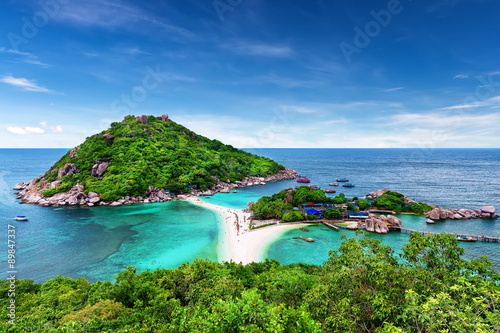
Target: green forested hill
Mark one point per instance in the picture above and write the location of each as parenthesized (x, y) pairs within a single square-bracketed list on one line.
[(152, 151)]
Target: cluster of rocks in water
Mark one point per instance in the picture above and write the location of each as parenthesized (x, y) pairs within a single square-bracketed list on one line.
[(438, 213), (31, 192)]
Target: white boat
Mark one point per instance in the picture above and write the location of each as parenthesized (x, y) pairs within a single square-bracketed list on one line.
[(334, 184), (21, 218)]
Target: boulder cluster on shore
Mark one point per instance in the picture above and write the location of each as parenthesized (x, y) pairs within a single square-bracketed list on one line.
[(31, 192), (438, 213), (380, 223)]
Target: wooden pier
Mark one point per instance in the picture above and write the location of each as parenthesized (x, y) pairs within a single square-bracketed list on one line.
[(488, 239), (330, 225)]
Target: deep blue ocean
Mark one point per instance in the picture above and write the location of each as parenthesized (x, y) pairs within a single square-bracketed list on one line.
[(99, 242)]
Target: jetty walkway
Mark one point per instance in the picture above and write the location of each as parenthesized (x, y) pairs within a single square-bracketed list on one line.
[(479, 238)]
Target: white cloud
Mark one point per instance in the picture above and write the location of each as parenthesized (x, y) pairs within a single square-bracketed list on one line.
[(444, 120), (36, 62), (25, 130), (393, 89), (24, 84), (26, 57), (260, 49), (491, 102), (115, 15), (461, 76), (57, 129), (34, 130), (16, 130), (298, 109)]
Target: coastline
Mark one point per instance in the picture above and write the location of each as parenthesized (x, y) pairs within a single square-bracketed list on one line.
[(245, 246)]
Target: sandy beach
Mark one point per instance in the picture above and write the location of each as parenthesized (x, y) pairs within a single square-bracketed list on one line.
[(241, 244)]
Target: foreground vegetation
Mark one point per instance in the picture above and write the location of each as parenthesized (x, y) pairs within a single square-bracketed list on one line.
[(362, 287), (161, 154)]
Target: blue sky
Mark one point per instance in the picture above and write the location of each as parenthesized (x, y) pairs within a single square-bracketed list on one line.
[(351, 74)]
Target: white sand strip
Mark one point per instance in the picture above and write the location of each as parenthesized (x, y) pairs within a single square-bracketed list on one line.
[(244, 246)]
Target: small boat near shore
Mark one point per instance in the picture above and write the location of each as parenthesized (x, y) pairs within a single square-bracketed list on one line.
[(310, 240), (303, 180), (342, 180), (334, 184), (329, 190), (348, 185), (21, 218), (466, 239)]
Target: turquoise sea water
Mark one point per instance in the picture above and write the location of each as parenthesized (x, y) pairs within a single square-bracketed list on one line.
[(99, 242)]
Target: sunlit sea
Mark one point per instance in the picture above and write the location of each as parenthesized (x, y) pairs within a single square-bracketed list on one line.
[(99, 242)]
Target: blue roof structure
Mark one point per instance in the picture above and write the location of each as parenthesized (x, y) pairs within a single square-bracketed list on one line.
[(313, 211), (355, 215)]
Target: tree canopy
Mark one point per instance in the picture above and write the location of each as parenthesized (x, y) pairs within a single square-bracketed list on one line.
[(362, 287)]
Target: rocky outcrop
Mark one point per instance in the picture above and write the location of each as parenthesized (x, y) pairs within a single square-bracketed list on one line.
[(99, 168), (149, 132), (67, 169), (19, 186), (55, 184), (288, 198), (373, 195), (109, 138), (393, 221), (249, 207), (381, 224), (488, 209), (439, 213), (143, 119), (164, 118), (73, 152)]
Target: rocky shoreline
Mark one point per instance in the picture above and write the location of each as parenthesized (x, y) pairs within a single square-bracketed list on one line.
[(31, 192), (439, 213)]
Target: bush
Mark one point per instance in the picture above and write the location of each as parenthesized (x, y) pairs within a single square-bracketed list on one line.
[(60, 189), (363, 204), (332, 213)]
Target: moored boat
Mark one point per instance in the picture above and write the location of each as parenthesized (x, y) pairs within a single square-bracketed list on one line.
[(466, 239), (330, 190), (334, 184), (303, 180), (348, 185), (342, 180), (314, 187), (21, 218)]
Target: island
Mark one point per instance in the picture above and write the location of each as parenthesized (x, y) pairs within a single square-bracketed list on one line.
[(147, 159), (312, 205)]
